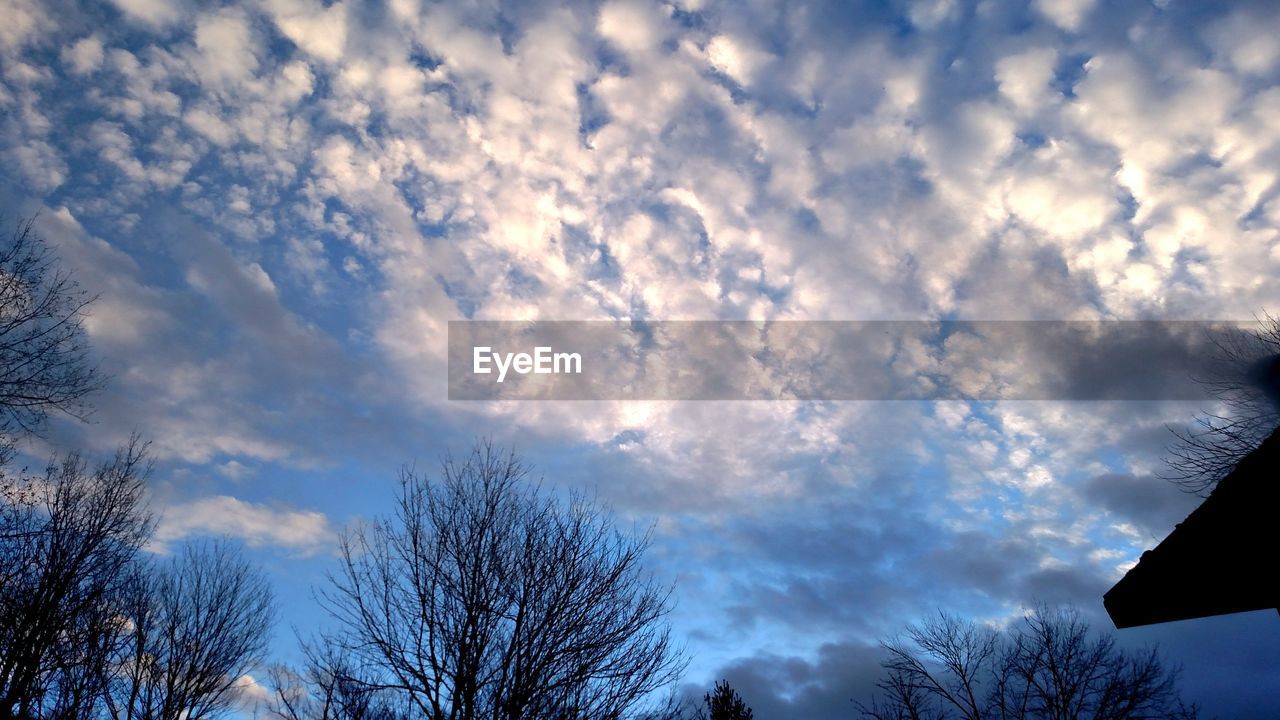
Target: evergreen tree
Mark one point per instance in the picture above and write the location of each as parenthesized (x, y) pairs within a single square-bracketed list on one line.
[(724, 703)]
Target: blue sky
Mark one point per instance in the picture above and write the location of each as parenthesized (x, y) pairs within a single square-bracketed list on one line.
[(282, 203)]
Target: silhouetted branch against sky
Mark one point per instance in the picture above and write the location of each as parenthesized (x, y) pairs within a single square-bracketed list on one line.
[(68, 541), (486, 596), (1050, 664), (1247, 384), (44, 354), (198, 623)]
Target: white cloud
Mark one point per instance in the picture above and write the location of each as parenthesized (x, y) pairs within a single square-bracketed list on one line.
[(1024, 77), (227, 51), (736, 58), (157, 13), (928, 14), (258, 525), (41, 165), (297, 81), (209, 125), (1066, 14), (319, 30), (1247, 40), (251, 695), (25, 20), (116, 147), (868, 144), (234, 470), (85, 56), (632, 26), (1062, 192)]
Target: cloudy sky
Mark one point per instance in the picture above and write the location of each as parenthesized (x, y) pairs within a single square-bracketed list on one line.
[(282, 203)]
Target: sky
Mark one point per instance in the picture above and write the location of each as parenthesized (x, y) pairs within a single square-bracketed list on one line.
[(280, 204)]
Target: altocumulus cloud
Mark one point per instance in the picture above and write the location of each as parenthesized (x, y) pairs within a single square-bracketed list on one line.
[(300, 531), (282, 203)]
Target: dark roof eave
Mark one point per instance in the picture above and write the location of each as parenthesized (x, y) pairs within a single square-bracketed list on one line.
[(1222, 559)]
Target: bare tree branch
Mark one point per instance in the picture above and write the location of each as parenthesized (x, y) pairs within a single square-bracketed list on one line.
[(44, 362), (1048, 667), (197, 624), (1247, 383), (485, 597), (67, 544)]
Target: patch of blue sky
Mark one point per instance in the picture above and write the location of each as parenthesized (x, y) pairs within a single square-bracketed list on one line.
[(1189, 265), (464, 298), (584, 250), (591, 113), (1068, 73)]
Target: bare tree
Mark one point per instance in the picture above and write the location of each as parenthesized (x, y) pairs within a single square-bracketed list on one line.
[(81, 615), (1247, 384), (903, 699), (330, 689), (197, 624), (44, 364), (484, 597), (67, 542), (1054, 668), (1049, 666), (963, 651)]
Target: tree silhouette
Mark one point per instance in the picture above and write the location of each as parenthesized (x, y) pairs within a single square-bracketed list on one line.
[(44, 363), (67, 543), (1247, 384), (1048, 666), (724, 703), (331, 689), (196, 625), (88, 627), (485, 597)]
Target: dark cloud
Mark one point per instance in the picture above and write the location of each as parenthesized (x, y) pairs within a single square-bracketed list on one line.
[(860, 560), (779, 687), (1224, 661), (1154, 505), (1068, 586)]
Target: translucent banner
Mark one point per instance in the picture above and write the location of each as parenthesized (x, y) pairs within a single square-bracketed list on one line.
[(861, 360)]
